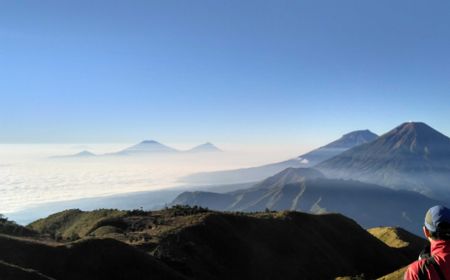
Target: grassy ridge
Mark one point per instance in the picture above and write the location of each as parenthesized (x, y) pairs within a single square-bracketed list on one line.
[(194, 243)]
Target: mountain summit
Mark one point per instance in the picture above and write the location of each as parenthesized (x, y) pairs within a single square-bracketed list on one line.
[(205, 148), (347, 141), (411, 156), (418, 138), (82, 154), (148, 146), (353, 139)]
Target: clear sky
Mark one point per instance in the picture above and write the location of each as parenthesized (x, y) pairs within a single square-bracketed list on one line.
[(225, 71)]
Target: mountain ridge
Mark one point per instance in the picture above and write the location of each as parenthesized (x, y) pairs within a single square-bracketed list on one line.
[(194, 243), (307, 190), (254, 174), (412, 156)]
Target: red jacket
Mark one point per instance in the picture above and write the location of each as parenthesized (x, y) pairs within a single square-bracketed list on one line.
[(440, 249)]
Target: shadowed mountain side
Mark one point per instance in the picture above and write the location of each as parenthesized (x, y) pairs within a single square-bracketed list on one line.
[(14, 272), (201, 244), (370, 205), (254, 174), (88, 259), (412, 156), (396, 275), (278, 246), (13, 229)]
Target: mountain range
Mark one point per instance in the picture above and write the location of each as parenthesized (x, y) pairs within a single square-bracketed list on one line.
[(308, 190), (406, 170), (254, 174), (412, 156), (149, 147)]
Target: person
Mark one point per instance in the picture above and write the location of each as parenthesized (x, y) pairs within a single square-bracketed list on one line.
[(434, 264)]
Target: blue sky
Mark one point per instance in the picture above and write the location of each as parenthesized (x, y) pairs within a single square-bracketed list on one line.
[(265, 72)]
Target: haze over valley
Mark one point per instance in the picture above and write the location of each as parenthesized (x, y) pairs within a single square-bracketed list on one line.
[(36, 174)]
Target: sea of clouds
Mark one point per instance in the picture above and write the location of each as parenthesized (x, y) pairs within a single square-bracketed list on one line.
[(29, 175)]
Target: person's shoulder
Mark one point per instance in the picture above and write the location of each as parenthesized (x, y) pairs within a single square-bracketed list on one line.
[(412, 272)]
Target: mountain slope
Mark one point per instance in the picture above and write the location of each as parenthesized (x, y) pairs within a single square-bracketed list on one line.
[(201, 244), (278, 246), (14, 272), (409, 244), (87, 259), (254, 174), (412, 156), (307, 190)]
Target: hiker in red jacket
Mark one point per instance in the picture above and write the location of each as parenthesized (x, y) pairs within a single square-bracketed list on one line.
[(435, 264)]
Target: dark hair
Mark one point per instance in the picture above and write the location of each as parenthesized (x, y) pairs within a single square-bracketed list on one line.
[(442, 232)]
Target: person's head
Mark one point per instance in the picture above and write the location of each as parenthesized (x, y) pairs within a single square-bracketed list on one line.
[(437, 223)]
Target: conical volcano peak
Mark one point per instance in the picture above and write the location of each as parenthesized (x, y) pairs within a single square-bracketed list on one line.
[(149, 142), (414, 127), (353, 139), (206, 147), (148, 146), (85, 153), (412, 156), (415, 136)]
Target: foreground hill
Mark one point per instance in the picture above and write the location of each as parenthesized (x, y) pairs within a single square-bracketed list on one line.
[(193, 243), (307, 190), (13, 229), (258, 173), (14, 272), (412, 156), (85, 259), (409, 244)]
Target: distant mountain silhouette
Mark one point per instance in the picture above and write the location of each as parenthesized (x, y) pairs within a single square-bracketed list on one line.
[(147, 147), (412, 156), (254, 174), (82, 154), (204, 148), (305, 189)]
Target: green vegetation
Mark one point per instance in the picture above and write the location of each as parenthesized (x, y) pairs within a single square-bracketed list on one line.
[(407, 243), (185, 210), (11, 228), (73, 224), (183, 242)]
